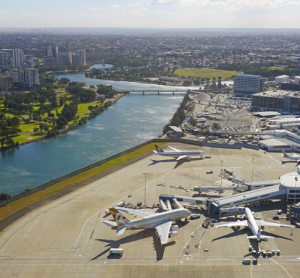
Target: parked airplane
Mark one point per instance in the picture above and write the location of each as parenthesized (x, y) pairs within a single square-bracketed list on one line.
[(162, 222), (177, 153), (292, 157), (253, 225)]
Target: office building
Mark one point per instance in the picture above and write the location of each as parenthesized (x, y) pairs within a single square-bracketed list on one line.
[(293, 85), (52, 51), (246, 85), (277, 100), (5, 82), (65, 59), (82, 54), (17, 58), (48, 61), (17, 76), (5, 60), (31, 78)]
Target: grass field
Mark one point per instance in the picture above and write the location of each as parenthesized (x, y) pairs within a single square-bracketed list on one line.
[(17, 205), (204, 73)]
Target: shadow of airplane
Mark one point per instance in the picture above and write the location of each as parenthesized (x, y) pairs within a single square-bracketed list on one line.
[(249, 233), (178, 162), (289, 161), (135, 237)]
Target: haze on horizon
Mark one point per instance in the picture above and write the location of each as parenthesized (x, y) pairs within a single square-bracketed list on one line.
[(150, 14)]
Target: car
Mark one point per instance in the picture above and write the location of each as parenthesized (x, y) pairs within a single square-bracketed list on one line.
[(195, 216), (209, 172), (207, 156)]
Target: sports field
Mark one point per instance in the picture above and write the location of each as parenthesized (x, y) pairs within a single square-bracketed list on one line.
[(204, 73)]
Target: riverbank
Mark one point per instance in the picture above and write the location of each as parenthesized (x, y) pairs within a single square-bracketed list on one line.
[(65, 129)]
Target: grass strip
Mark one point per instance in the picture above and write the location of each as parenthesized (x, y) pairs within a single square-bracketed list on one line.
[(22, 203)]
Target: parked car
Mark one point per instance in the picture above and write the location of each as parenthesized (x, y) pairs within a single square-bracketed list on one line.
[(209, 172)]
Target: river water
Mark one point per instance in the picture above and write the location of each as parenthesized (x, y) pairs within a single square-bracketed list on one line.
[(132, 120)]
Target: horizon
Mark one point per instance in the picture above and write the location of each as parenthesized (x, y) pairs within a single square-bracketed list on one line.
[(150, 14)]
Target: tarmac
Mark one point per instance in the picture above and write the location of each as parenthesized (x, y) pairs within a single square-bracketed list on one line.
[(65, 238)]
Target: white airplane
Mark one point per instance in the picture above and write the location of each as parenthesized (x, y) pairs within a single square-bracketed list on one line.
[(177, 153), (161, 222), (253, 225), (292, 157)]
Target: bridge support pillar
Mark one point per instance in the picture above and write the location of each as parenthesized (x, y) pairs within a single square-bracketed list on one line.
[(157, 92), (173, 93), (143, 93)]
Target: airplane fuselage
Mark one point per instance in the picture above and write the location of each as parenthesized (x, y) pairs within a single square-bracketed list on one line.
[(152, 220), (177, 154), (252, 225)]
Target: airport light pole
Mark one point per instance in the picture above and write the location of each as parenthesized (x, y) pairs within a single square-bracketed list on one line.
[(221, 173), (252, 167), (145, 187)]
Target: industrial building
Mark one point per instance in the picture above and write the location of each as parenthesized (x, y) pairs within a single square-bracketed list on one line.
[(246, 85), (174, 131), (278, 100), (280, 79), (278, 140)]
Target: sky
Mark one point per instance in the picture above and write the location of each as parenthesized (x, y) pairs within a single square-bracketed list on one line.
[(150, 13)]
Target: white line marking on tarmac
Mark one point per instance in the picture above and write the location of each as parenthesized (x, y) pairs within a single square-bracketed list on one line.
[(281, 267)]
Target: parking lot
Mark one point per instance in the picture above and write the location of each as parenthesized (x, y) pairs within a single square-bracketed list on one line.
[(66, 238)]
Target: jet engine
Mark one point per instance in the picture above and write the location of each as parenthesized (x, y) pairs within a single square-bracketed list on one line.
[(188, 157), (174, 228), (173, 234)]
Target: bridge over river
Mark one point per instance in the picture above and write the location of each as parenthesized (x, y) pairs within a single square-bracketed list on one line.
[(159, 91)]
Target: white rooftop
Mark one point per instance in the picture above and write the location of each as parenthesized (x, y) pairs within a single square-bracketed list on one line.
[(291, 180)]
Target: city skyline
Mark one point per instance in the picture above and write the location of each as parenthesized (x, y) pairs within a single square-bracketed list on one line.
[(151, 14)]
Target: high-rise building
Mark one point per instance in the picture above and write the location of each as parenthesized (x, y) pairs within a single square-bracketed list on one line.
[(5, 82), (52, 51), (245, 85), (31, 78), (17, 76), (65, 59), (48, 61), (82, 54), (5, 60), (17, 58)]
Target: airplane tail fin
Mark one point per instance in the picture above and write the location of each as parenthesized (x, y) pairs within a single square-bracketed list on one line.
[(118, 217), (284, 154), (158, 149)]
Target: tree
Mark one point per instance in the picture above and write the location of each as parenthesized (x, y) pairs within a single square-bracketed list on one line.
[(193, 122), (64, 80), (216, 126), (36, 129), (4, 196)]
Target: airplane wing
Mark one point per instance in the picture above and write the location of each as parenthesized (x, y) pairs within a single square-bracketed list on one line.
[(264, 223), (163, 231), (181, 157), (175, 150), (120, 230), (135, 212), (235, 223)]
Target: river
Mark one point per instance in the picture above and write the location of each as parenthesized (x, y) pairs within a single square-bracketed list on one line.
[(132, 120)]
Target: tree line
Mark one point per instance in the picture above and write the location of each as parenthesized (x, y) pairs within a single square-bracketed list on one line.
[(179, 115)]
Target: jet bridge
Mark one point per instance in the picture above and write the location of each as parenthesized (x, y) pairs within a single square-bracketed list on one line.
[(176, 198), (269, 192)]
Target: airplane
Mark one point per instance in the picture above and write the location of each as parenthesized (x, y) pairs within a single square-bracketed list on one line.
[(253, 225), (179, 155), (292, 157), (161, 222)]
